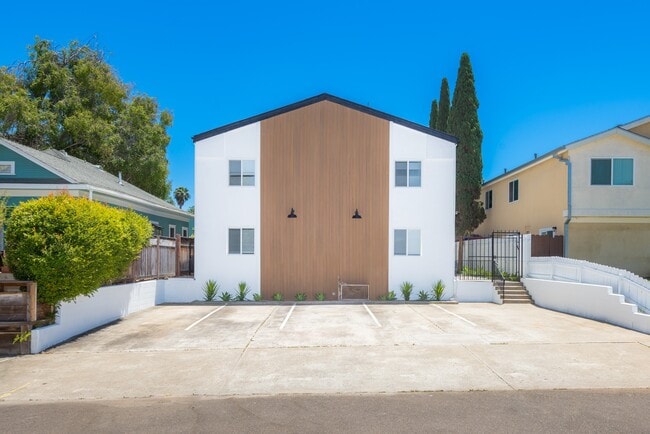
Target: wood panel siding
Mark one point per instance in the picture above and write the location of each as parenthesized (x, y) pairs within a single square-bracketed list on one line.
[(324, 160)]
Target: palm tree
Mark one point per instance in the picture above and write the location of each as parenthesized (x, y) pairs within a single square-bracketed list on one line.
[(181, 194)]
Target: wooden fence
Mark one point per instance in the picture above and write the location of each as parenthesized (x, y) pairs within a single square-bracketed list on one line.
[(163, 257), (547, 245)]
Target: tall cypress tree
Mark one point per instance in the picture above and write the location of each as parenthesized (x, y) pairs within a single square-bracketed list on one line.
[(464, 124), (443, 107), (433, 115)]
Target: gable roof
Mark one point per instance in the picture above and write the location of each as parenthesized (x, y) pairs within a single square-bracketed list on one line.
[(317, 99), (77, 171), (618, 130)]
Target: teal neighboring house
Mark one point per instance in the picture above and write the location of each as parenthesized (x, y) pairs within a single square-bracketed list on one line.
[(27, 173)]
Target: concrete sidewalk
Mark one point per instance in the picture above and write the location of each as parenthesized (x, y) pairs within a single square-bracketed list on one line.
[(210, 350)]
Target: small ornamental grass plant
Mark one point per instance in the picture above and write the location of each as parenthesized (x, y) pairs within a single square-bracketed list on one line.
[(389, 296), (406, 288), (438, 290), (242, 291), (210, 290)]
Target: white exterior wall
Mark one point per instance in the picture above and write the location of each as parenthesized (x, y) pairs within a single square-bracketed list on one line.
[(430, 208), (610, 200), (476, 291), (220, 207)]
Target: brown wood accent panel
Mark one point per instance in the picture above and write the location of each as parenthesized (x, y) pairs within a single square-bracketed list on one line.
[(324, 160)]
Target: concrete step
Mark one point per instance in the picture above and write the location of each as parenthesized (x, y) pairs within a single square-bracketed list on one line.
[(513, 292)]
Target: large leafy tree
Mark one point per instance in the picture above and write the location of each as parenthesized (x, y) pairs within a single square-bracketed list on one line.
[(181, 194), (71, 99), (442, 122), (464, 124)]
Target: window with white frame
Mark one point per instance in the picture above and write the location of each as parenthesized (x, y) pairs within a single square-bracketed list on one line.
[(172, 231), (7, 168), (488, 199), (408, 173), (242, 172), (407, 242), (185, 232), (612, 171), (241, 241), (513, 191)]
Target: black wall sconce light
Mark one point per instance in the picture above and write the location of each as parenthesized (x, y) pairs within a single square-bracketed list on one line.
[(292, 214), (356, 214)]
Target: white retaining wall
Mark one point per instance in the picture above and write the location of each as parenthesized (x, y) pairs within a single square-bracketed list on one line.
[(587, 300), (108, 304), (634, 288), (476, 291)]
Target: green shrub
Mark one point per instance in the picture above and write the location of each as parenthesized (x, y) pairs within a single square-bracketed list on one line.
[(257, 297), (406, 288), (278, 296), (225, 296), (72, 246), (210, 289), (423, 295), (320, 296), (438, 290), (389, 296), (242, 291), (301, 296)]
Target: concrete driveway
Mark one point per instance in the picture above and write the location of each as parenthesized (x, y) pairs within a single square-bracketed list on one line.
[(216, 350)]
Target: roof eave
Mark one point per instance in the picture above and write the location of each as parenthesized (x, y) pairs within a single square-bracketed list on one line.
[(316, 99)]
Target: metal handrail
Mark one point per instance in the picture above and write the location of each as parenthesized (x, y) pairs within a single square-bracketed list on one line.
[(496, 272)]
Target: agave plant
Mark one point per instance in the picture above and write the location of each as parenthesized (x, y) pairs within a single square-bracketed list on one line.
[(438, 290), (406, 288), (210, 289), (242, 291)]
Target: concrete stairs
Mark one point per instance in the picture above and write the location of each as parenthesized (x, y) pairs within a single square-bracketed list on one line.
[(515, 292)]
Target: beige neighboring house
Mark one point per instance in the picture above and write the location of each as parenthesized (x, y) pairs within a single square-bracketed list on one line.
[(595, 192)]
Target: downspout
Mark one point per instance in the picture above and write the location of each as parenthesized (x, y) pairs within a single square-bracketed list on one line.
[(567, 220)]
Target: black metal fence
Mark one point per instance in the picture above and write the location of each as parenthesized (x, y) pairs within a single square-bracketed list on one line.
[(498, 256)]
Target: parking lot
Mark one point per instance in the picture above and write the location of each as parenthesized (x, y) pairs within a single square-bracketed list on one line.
[(269, 349)]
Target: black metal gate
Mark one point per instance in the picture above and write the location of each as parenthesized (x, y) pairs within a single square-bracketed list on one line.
[(496, 257)]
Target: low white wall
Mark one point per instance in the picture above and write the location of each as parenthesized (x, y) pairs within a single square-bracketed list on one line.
[(587, 300), (634, 288), (108, 304), (476, 291)]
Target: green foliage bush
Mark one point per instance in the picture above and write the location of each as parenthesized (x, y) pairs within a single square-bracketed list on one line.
[(320, 296), (301, 296), (278, 296), (389, 296), (72, 246)]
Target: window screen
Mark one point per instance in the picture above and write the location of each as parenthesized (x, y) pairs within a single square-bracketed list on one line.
[(413, 242), (401, 173), (234, 241), (623, 171), (415, 173), (235, 172), (400, 241), (248, 172), (248, 241)]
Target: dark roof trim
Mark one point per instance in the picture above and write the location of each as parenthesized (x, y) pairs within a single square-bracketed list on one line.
[(319, 98), (529, 163)]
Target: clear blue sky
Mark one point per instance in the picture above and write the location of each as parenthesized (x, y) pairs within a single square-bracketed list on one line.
[(547, 73)]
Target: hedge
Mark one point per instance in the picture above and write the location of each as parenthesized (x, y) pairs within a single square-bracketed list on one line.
[(72, 246)]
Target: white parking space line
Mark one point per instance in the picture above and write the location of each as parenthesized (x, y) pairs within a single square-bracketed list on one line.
[(457, 316), (287, 317), (371, 315), (207, 316)]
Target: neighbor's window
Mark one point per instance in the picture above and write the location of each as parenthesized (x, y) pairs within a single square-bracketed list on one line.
[(241, 241), (7, 168), (185, 232), (242, 172), (513, 191), (172, 231), (612, 171), (407, 242), (488, 199), (408, 174)]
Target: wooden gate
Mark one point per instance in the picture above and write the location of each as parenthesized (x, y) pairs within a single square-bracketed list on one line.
[(547, 245)]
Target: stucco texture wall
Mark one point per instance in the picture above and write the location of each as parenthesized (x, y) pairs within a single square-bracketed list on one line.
[(621, 245), (542, 200)]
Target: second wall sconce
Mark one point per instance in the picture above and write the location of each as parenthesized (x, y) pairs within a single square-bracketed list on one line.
[(356, 214), (292, 214)]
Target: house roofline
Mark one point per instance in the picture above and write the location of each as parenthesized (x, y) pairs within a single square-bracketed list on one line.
[(10, 144), (573, 145), (636, 123), (314, 100)]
